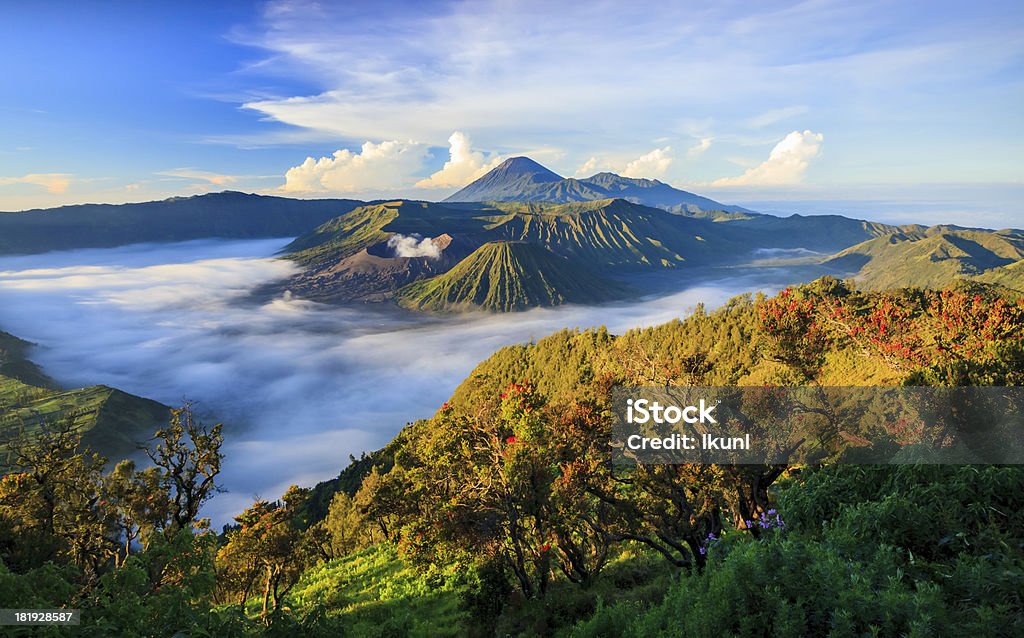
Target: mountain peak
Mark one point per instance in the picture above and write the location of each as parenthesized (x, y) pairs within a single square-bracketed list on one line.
[(520, 179), (526, 166), (506, 181)]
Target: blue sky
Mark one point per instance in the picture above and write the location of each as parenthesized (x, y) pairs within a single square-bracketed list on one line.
[(795, 103)]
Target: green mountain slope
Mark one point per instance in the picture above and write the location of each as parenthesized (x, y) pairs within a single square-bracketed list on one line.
[(227, 214), (615, 233), (820, 233), (112, 420), (936, 257), (366, 225), (14, 362), (350, 258), (506, 276), (1010, 277)]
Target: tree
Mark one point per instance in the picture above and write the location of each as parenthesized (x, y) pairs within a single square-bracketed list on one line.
[(268, 547), (188, 456), (139, 501), (51, 504)]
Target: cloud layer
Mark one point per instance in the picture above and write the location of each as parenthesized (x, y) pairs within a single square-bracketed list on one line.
[(683, 73), (390, 168), (298, 385)]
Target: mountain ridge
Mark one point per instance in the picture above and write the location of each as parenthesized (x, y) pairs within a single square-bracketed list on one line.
[(506, 276), (226, 214), (936, 256), (523, 179), (111, 421)]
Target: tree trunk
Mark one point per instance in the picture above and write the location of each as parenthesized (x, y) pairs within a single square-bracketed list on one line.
[(266, 597)]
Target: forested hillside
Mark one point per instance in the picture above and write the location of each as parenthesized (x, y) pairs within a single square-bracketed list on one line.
[(501, 515)]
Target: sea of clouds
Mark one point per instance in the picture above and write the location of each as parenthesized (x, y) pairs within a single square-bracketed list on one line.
[(300, 386)]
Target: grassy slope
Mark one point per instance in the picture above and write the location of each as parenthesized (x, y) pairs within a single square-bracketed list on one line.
[(603, 234), (113, 421), (1010, 277), (615, 233), (380, 595), (507, 276), (936, 257)]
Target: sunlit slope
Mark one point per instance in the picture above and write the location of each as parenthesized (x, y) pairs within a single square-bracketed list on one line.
[(366, 225), (615, 233), (1010, 277), (505, 276), (113, 421), (380, 594), (936, 257)]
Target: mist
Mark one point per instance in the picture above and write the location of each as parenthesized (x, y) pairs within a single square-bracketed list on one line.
[(299, 386)]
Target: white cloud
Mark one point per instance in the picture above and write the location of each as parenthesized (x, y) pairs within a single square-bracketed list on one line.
[(698, 149), (379, 167), (463, 167), (592, 166), (52, 182), (650, 165), (786, 164), (473, 67), (214, 179)]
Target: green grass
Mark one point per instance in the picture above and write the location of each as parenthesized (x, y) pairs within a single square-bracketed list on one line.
[(380, 595), (375, 593)]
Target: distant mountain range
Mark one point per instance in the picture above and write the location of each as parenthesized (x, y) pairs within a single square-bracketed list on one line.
[(480, 256), (351, 258), (480, 248), (520, 179), (228, 215)]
